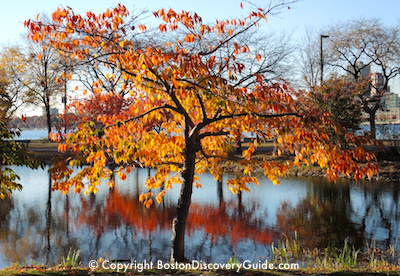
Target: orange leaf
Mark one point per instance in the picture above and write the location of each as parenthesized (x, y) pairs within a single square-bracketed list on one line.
[(189, 38), (162, 27)]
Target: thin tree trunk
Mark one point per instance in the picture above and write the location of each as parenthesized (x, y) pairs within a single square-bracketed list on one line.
[(182, 211), (48, 117), (48, 222), (67, 216), (220, 192), (240, 205), (65, 107), (372, 124)]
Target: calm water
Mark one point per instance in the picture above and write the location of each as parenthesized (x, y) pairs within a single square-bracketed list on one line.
[(40, 225), (31, 134), (391, 131), (383, 132)]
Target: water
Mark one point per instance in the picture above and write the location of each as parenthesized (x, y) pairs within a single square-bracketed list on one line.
[(32, 134), (389, 131), (38, 225), (383, 132)]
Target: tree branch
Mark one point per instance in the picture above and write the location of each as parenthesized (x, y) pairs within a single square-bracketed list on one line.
[(203, 108), (166, 106), (223, 117)]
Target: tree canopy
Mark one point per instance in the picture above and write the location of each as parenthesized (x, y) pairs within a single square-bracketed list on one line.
[(189, 97)]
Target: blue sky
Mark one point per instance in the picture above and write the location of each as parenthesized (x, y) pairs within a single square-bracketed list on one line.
[(303, 15), (310, 14)]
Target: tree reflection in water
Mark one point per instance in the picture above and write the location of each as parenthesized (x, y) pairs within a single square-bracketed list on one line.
[(209, 228), (332, 212), (33, 234), (113, 224)]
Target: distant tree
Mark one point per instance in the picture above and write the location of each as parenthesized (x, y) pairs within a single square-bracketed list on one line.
[(12, 91), (11, 153), (339, 97), (360, 44), (44, 78), (309, 63)]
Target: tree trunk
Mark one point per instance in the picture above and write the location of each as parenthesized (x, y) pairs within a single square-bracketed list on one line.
[(48, 117), (182, 210), (220, 192), (48, 222), (240, 205), (65, 107), (372, 125)]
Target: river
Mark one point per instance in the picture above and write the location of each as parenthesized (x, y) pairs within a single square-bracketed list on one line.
[(38, 225), (383, 132)]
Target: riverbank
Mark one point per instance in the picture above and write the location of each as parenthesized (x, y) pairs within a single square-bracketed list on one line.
[(44, 150), (389, 163), (389, 171)]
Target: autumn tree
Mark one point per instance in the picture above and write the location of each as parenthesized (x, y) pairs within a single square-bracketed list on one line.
[(12, 92), (340, 97), (187, 102), (12, 153), (42, 79), (359, 46), (12, 97), (5, 100)]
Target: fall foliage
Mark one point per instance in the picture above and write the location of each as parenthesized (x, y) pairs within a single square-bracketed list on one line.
[(188, 99), (12, 92), (12, 153)]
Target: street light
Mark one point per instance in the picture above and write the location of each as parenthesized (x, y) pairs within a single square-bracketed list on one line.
[(322, 57)]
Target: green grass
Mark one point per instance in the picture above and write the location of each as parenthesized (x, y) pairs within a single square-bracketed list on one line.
[(333, 259), (72, 259)]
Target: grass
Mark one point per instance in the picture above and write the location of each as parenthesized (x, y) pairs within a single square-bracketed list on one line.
[(72, 259), (344, 261), (42, 145), (332, 259)]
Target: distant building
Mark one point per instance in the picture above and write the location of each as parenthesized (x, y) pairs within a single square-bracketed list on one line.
[(390, 113), (376, 83), (365, 71), (390, 100), (388, 116)]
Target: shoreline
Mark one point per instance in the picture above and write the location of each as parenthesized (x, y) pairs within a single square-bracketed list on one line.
[(388, 161), (389, 172)]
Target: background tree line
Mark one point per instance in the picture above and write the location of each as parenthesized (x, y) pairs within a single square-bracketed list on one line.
[(36, 75), (354, 51)]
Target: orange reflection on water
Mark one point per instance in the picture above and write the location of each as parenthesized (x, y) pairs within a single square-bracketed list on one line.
[(215, 221)]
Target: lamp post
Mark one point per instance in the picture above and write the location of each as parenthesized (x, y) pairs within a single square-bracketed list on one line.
[(322, 57)]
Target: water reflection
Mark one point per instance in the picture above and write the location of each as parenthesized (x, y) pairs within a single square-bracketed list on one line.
[(332, 212), (41, 225)]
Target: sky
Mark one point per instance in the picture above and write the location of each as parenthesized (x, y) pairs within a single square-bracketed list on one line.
[(303, 15)]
